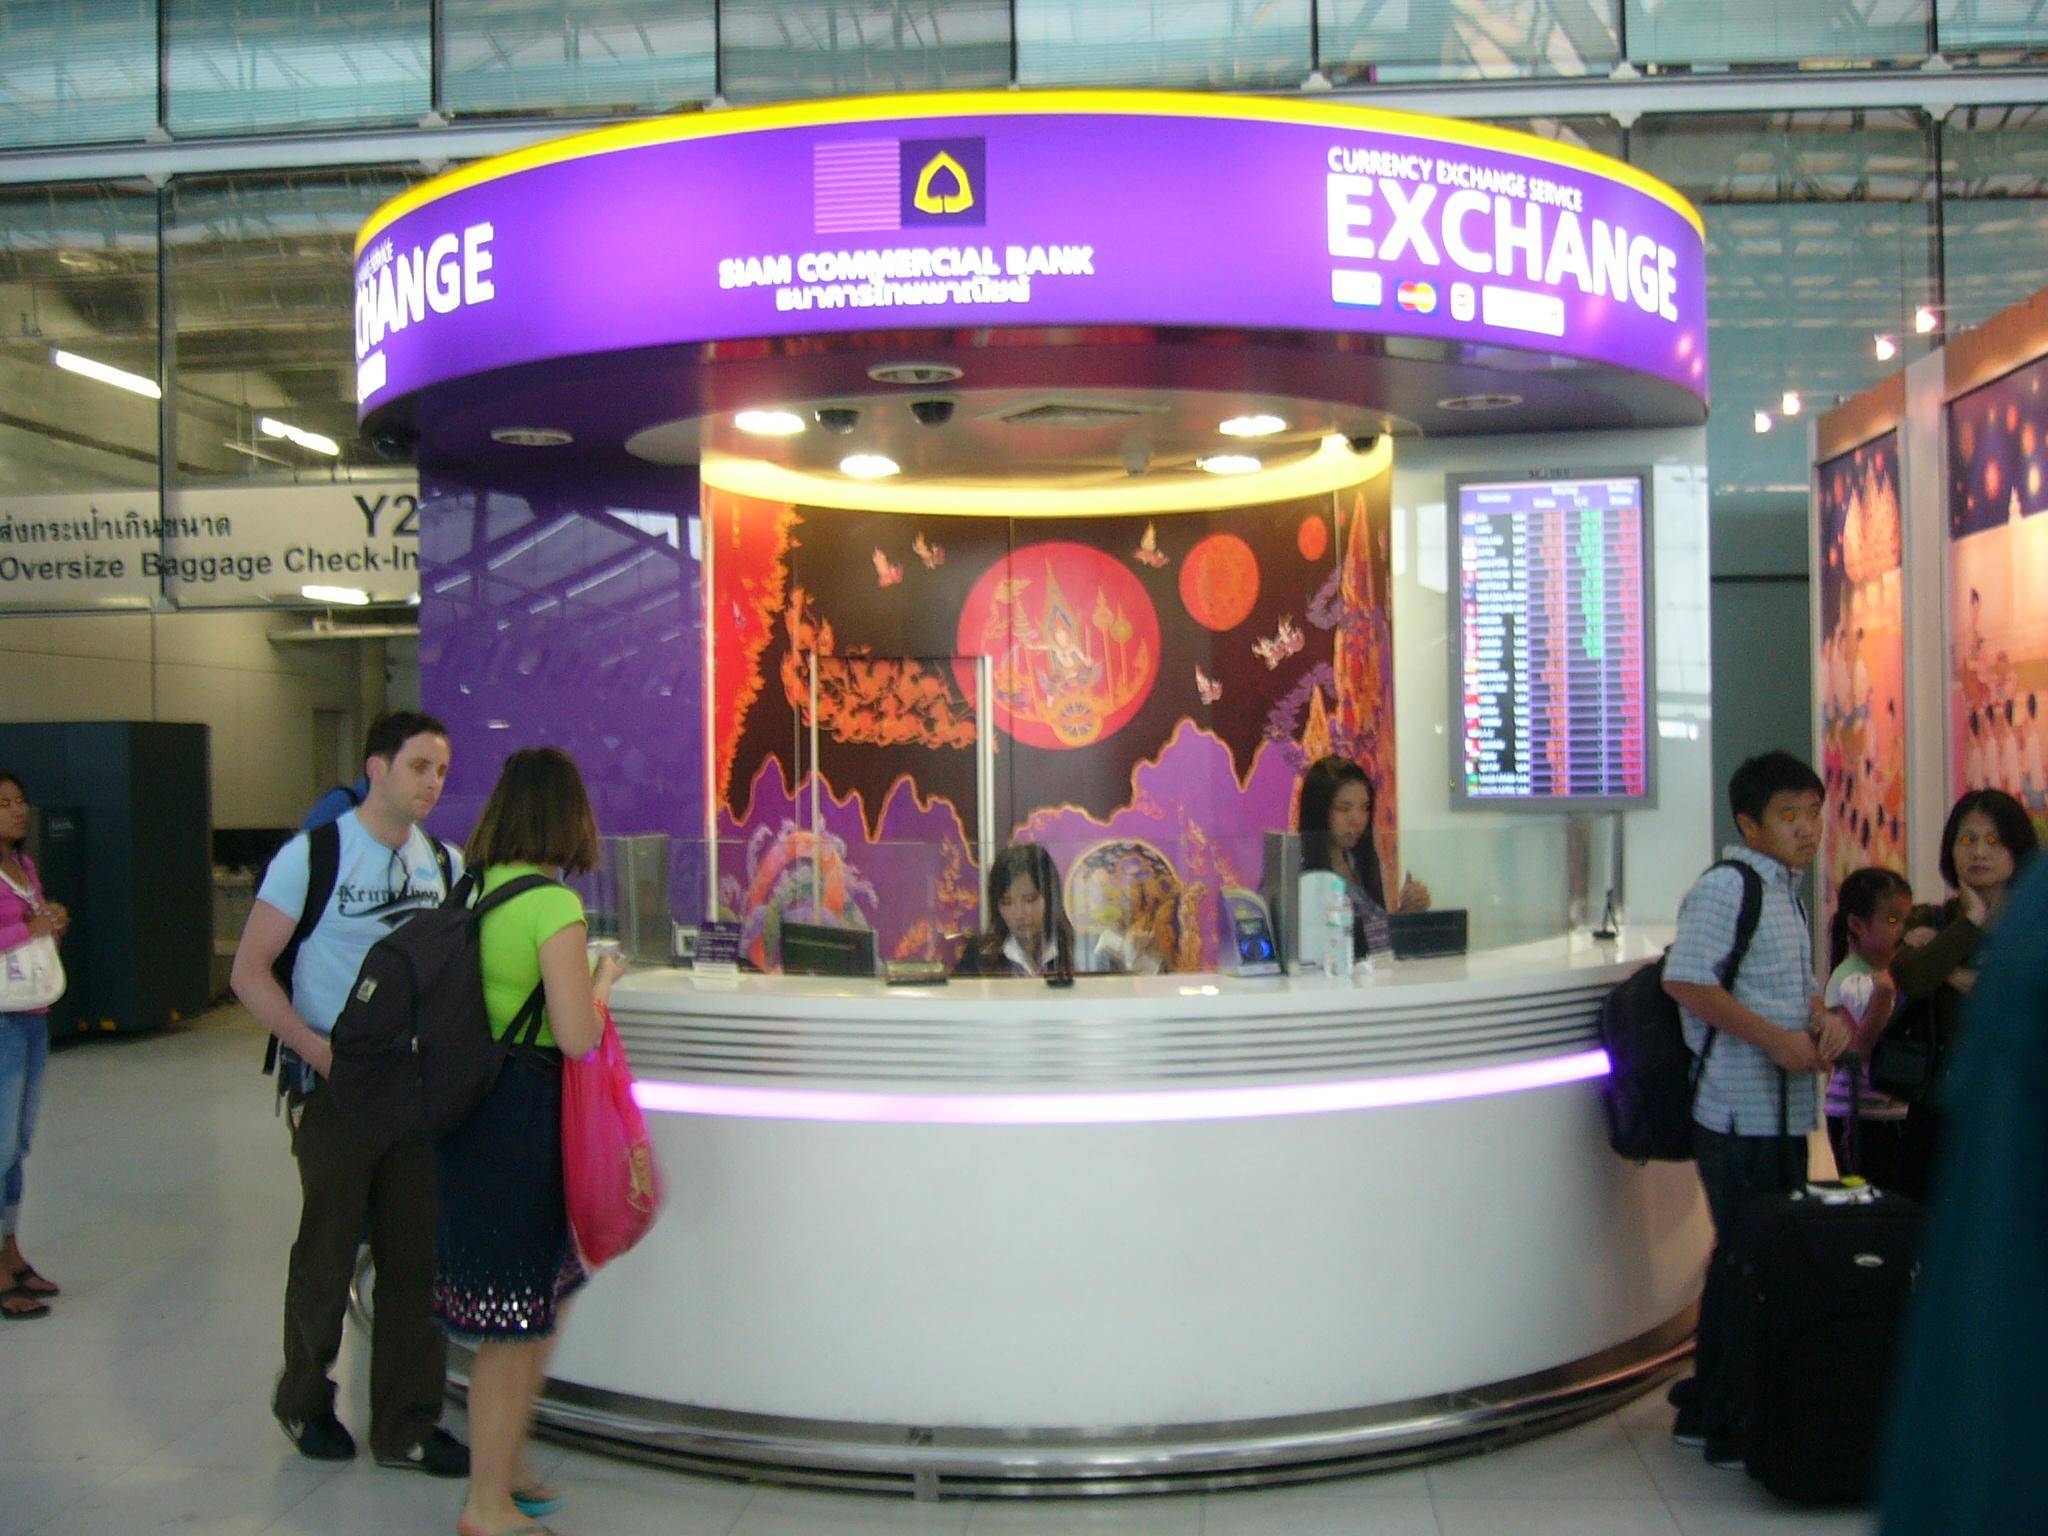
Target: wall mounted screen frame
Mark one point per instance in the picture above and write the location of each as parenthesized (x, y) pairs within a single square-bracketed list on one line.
[(1542, 483)]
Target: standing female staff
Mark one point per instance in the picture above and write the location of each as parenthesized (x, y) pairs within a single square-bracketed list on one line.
[(507, 1261), (24, 1048)]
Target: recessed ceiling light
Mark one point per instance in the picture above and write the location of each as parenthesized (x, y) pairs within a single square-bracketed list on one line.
[(120, 378), (913, 373), (1229, 464), (312, 442), (1762, 423), (1925, 320), (1479, 402), (532, 437), (352, 597), (1251, 426), (1886, 349), (769, 423), (1790, 403), (869, 466)]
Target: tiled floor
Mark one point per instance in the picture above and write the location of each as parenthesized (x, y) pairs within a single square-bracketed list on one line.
[(162, 1196)]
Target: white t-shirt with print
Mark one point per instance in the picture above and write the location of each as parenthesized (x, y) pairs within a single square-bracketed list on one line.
[(376, 888)]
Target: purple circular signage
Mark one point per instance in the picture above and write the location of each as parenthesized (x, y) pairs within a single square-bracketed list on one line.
[(1065, 209)]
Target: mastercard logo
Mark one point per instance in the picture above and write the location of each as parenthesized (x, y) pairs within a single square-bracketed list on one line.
[(1419, 297)]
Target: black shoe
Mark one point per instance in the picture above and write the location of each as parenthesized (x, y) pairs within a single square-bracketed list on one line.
[(439, 1455), (323, 1438), (1690, 1427), (1684, 1393)]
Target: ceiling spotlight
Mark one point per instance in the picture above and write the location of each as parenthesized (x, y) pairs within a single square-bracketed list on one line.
[(913, 373), (120, 378), (1763, 421), (769, 423), (1924, 320), (312, 442), (838, 418), (350, 597), (1251, 426), (869, 466), (1789, 402), (1886, 349), (532, 437), (1229, 464)]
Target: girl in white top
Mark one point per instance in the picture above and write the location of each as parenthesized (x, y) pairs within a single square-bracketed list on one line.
[(1870, 919)]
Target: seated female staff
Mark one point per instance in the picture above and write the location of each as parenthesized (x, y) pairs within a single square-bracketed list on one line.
[(1030, 935), (1335, 821)]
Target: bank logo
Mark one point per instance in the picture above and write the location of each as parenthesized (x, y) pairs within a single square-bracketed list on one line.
[(1417, 298), (869, 186), (943, 181)]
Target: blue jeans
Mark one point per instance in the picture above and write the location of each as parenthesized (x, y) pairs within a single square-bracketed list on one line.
[(24, 1051)]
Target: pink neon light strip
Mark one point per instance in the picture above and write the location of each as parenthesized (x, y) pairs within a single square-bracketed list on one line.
[(1113, 1108)]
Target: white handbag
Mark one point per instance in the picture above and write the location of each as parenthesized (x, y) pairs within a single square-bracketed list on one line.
[(31, 976)]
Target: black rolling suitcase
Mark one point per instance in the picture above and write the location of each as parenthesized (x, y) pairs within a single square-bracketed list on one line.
[(1828, 1270)]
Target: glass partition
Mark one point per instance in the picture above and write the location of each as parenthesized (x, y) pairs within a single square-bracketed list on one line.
[(1466, 39), (244, 66), (778, 49), (1994, 210), (1768, 32), (576, 55), (76, 71), (1198, 44)]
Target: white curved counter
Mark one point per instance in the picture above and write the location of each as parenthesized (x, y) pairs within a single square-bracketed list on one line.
[(1137, 1233)]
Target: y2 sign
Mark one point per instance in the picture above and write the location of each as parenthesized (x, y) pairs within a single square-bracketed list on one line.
[(239, 547)]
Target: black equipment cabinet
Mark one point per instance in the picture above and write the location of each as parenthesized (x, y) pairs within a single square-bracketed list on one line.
[(126, 821)]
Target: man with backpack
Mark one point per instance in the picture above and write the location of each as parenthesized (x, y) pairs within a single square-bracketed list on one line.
[(1760, 1038), (327, 897)]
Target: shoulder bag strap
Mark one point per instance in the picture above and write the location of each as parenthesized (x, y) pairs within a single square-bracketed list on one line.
[(524, 1030), (1746, 922)]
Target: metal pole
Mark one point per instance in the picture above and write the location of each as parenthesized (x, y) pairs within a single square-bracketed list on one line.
[(984, 777)]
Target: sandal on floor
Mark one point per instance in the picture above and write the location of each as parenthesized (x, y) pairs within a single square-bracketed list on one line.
[(464, 1528), (40, 1308), (537, 1503), (29, 1283)]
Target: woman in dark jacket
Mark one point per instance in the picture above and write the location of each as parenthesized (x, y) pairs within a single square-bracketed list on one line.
[(1030, 934), (1339, 807), (1987, 840)]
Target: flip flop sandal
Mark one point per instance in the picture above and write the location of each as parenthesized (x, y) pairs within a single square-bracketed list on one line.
[(535, 1504), (22, 1314), (29, 1283)]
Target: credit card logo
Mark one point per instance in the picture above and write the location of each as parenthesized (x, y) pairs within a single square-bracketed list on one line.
[(1419, 298), (1350, 286)]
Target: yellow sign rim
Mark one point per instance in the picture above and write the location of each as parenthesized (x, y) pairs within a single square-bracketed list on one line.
[(644, 132)]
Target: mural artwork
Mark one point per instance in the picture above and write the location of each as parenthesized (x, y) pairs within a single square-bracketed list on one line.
[(1998, 571), (1862, 664), (1157, 686)]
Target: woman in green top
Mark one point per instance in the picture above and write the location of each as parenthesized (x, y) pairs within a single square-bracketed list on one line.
[(507, 1262)]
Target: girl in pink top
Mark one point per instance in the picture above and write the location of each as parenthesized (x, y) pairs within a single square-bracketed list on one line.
[(24, 1049)]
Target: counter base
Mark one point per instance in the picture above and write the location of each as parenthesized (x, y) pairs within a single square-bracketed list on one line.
[(931, 1463)]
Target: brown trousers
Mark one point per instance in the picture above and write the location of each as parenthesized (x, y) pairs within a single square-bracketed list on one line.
[(355, 1182)]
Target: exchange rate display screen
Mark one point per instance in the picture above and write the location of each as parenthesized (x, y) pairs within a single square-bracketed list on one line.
[(1549, 584)]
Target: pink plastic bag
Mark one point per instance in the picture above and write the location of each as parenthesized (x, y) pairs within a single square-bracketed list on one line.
[(613, 1186)]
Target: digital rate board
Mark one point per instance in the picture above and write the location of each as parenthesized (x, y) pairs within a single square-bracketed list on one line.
[(1551, 612)]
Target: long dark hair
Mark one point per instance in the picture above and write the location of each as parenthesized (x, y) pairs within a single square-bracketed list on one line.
[(1033, 860), (2008, 818), (1858, 898), (1319, 786), (21, 789)]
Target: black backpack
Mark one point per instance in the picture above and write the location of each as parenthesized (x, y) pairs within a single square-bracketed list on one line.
[(413, 1049), (1652, 1076)]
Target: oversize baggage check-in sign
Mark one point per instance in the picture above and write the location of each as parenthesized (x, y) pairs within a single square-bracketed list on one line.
[(238, 547)]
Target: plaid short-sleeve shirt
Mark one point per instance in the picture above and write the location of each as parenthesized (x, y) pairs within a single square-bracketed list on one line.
[(1739, 1090)]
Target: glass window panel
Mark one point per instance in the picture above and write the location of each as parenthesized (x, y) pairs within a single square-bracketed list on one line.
[(1820, 237), (239, 66), (1466, 39), (1602, 135), (1994, 210), (576, 55), (78, 269), (76, 71), (2005, 29), (1200, 43), (1776, 32), (777, 49), (262, 301)]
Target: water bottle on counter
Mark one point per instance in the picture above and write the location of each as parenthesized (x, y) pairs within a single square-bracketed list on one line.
[(1337, 935)]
